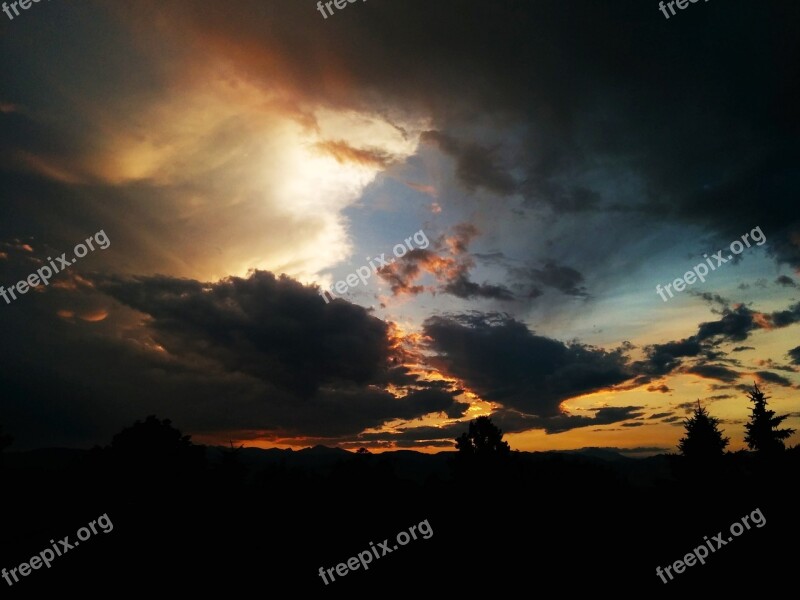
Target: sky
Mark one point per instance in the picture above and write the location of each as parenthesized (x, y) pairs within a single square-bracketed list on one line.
[(542, 165)]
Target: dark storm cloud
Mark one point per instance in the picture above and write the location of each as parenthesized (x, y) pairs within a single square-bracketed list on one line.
[(503, 361), (399, 376), (476, 166), (784, 318), (735, 325), (262, 354), (703, 126), (688, 129), (664, 358), (785, 281), (457, 410), (277, 330), (794, 354), (423, 402), (272, 328), (705, 123)]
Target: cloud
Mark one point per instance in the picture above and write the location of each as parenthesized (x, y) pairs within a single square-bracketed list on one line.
[(660, 415), (709, 297), (476, 166), (503, 361), (771, 377), (566, 422), (271, 327), (664, 389), (238, 140), (344, 152), (794, 354), (462, 287), (714, 372), (771, 364), (261, 357), (785, 281), (664, 358), (565, 279), (784, 318), (448, 263), (735, 325)]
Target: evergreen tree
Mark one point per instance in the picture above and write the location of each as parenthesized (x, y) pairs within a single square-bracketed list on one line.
[(703, 438), (763, 434)]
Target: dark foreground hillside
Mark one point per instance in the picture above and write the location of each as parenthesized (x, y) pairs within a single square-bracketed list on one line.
[(209, 520)]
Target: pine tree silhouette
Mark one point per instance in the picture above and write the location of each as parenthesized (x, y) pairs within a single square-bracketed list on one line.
[(703, 440), (763, 434)]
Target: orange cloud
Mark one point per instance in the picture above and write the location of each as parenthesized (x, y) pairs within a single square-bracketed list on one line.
[(426, 189), (94, 316), (344, 152)]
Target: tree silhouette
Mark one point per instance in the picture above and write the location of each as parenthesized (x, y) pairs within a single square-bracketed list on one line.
[(483, 440), (151, 437), (703, 440), (763, 434), (154, 450)]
